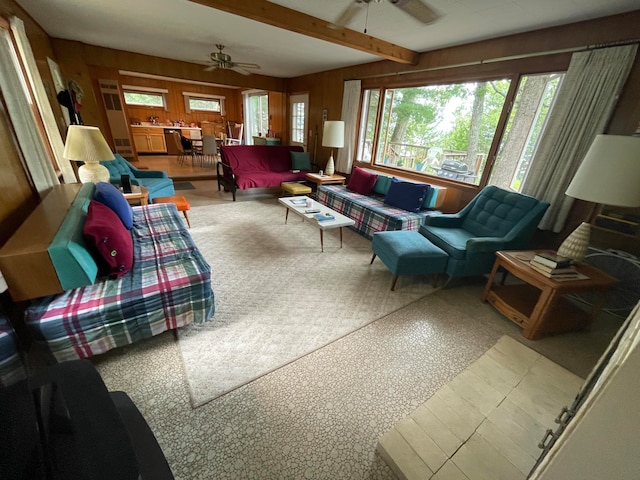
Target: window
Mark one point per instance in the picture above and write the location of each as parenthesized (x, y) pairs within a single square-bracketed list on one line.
[(449, 130), (257, 114), (528, 117), (299, 108), (145, 96), (203, 102)]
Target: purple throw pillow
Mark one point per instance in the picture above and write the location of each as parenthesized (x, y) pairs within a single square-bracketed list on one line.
[(104, 231), (361, 181)]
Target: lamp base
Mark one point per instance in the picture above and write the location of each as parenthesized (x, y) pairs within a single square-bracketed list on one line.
[(330, 168), (575, 246), (93, 172)]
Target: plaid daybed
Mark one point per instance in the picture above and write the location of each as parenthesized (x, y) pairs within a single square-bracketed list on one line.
[(370, 212), (168, 287)]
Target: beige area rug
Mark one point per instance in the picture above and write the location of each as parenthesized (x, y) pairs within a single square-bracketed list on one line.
[(277, 296)]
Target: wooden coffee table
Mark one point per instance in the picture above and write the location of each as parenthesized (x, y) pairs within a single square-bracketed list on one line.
[(339, 221), (538, 305)]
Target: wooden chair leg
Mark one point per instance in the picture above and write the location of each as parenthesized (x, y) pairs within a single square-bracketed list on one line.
[(372, 259), (187, 218), (393, 284)]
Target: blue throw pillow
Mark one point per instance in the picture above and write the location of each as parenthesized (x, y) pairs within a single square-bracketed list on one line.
[(300, 161), (406, 195), (109, 195)]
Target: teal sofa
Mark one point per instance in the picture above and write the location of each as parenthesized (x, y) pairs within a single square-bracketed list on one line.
[(157, 182)]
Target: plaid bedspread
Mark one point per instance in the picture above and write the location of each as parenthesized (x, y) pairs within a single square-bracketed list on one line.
[(168, 287), (370, 212)]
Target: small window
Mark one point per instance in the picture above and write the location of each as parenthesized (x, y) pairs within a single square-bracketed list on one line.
[(144, 99), (203, 102)]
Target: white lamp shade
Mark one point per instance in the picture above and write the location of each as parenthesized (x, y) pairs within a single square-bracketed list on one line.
[(610, 172), (86, 144), (333, 134)]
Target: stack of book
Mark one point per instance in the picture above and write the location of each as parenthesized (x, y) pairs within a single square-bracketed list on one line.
[(554, 266)]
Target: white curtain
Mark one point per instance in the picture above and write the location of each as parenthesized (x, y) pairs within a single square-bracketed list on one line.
[(350, 104), (16, 98), (53, 134), (583, 107)]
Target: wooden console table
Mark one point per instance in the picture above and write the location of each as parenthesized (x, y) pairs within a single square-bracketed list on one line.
[(538, 305)]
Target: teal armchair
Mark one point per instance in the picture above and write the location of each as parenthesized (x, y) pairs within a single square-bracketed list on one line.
[(156, 181), (495, 219)]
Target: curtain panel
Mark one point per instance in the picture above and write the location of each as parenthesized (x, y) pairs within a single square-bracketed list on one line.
[(42, 101), (35, 153), (582, 110), (350, 104)]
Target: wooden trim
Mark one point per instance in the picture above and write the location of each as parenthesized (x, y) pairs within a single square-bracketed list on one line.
[(294, 21)]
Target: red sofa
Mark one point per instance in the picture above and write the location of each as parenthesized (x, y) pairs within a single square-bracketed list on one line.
[(256, 166)]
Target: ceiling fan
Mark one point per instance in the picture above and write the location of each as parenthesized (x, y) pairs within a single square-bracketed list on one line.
[(415, 8), (223, 61)]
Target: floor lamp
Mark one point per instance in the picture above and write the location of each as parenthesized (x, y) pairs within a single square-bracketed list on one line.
[(86, 144), (608, 175), (332, 136)]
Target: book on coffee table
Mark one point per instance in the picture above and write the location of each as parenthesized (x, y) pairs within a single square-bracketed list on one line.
[(322, 217)]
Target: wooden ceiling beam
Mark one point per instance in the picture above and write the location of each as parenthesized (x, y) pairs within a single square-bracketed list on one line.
[(294, 21)]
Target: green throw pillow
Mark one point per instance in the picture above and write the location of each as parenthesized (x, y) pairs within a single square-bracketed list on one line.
[(300, 161)]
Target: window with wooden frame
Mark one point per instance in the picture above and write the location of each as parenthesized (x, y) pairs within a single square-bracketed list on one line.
[(459, 128)]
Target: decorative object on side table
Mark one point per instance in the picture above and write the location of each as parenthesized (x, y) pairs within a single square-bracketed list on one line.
[(608, 175), (332, 136), (86, 144)]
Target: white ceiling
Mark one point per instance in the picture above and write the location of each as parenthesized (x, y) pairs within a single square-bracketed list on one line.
[(182, 30)]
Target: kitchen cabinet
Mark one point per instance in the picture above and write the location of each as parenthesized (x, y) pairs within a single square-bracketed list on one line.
[(148, 139)]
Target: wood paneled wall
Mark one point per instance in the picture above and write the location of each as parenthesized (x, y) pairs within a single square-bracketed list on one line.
[(84, 63)]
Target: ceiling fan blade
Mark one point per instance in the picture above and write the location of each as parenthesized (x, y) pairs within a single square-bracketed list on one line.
[(240, 70), (210, 68), (246, 65), (418, 10), (347, 15)]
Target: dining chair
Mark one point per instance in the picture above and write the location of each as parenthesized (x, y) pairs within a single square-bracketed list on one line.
[(234, 137)]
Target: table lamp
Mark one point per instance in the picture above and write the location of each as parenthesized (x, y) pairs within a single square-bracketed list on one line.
[(332, 136), (86, 144), (608, 175)]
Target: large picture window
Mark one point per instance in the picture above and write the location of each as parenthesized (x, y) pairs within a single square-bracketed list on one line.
[(449, 130)]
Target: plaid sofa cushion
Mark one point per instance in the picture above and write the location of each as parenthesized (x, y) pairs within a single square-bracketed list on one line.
[(168, 287), (369, 212)]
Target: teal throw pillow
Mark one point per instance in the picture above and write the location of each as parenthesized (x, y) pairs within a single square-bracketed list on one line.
[(406, 195), (300, 161), (382, 184)]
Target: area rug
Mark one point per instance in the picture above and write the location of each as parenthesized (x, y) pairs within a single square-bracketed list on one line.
[(183, 186), (277, 296)]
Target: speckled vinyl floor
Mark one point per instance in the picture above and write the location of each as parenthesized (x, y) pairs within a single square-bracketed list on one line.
[(320, 417)]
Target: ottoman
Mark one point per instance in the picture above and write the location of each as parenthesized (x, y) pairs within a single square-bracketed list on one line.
[(181, 203), (294, 188), (407, 252)]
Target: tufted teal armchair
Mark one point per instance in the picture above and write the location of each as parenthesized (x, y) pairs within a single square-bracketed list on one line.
[(495, 219), (156, 181)]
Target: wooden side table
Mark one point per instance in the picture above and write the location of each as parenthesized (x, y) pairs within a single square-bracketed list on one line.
[(538, 305), (140, 196), (325, 179)]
